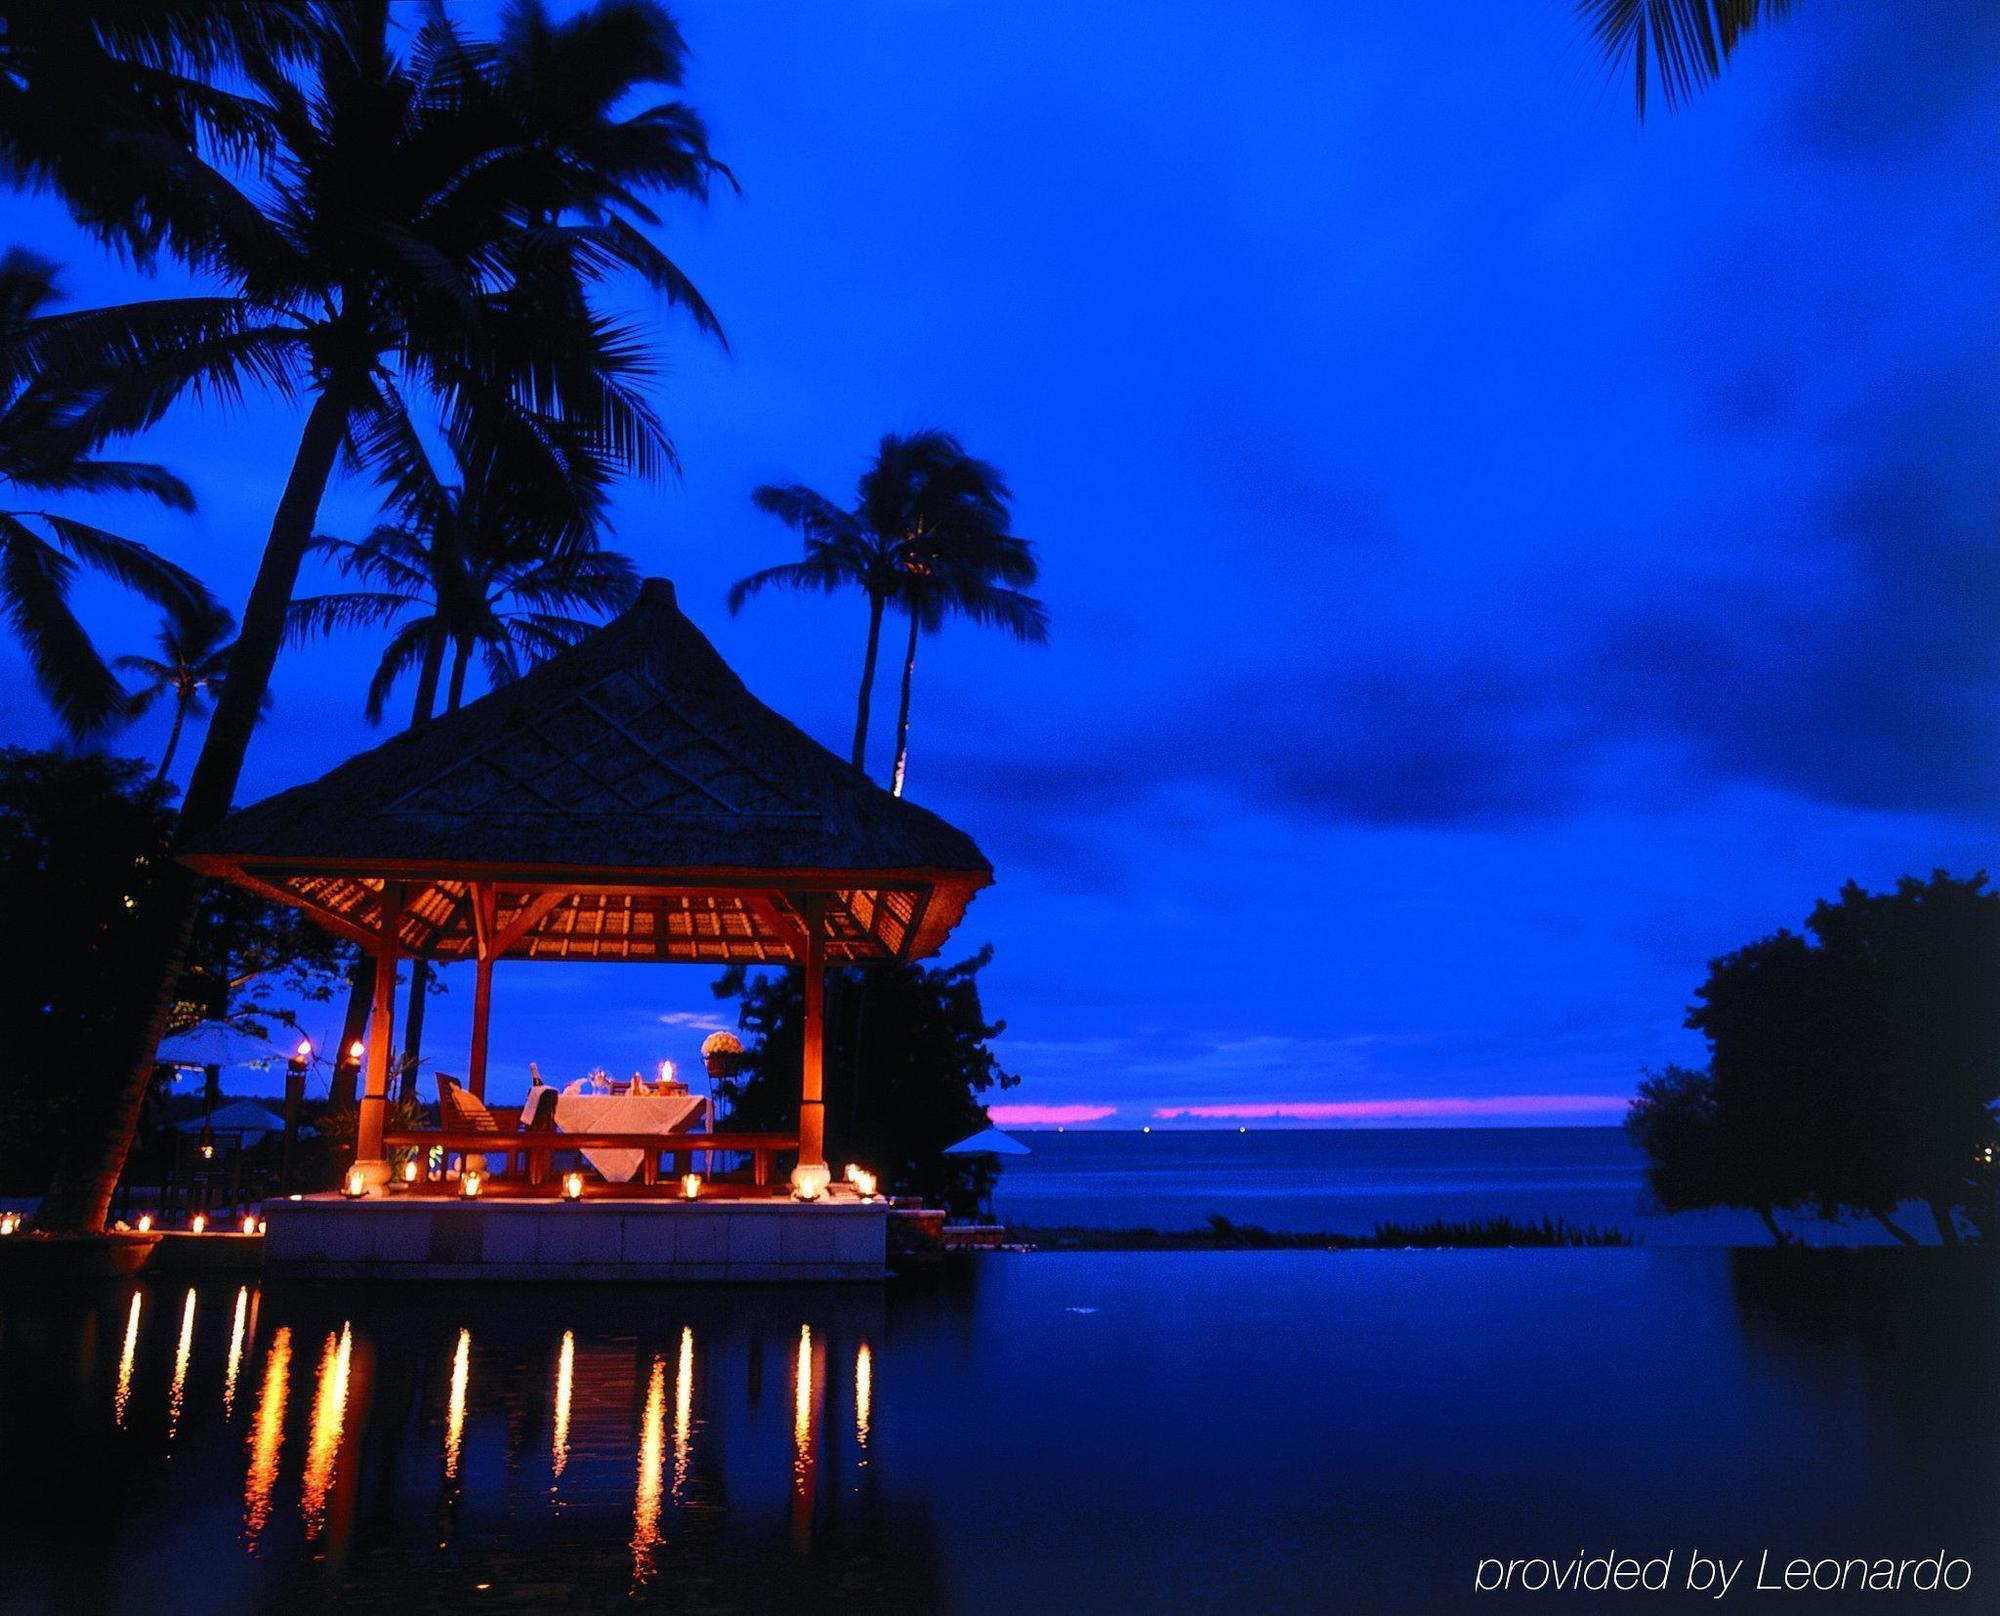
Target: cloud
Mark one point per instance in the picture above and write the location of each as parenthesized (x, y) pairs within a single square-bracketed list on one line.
[(1455, 1108), (1048, 1116), (695, 1020)]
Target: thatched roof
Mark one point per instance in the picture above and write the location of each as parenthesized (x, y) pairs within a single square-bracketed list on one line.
[(628, 799)]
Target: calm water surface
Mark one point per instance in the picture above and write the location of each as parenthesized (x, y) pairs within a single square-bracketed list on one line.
[(1044, 1432), (1346, 1180)]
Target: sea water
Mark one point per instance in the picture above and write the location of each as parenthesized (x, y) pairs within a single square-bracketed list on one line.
[(1346, 1181)]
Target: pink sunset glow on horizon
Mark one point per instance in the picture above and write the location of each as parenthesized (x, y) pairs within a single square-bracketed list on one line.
[(1494, 1105), (1047, 1116)]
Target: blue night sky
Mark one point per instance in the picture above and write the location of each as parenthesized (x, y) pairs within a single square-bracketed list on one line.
[(1499, 556)]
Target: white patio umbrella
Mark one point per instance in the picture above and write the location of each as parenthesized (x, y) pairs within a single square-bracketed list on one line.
[(217, 1043), (989, 1142)]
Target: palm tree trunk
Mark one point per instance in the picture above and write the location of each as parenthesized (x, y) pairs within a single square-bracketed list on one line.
[(87, 1175), (460, 658), (413, 1026), (875, 605), (1778, 1235), (1947, 1225), (903, 714), (427, 681), (173, 738), (420, 968), (341, 1093), (1896, 1229)]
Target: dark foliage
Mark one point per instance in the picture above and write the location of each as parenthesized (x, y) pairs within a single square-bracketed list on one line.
[(907, 1060), (82, 840), (1853, 1068)]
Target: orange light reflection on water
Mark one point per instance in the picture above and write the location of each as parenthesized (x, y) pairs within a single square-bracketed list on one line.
[(329, 1418), (177, 1392), (864, 1397), (565, 1383), (123, 1395), (236, 1333), (683, 1412), (803, 1400), (646, 1494), (454, 1424), (267, 1438)]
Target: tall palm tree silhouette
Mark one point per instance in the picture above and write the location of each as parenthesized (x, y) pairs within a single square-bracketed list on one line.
[(927, 533), (433, 219)]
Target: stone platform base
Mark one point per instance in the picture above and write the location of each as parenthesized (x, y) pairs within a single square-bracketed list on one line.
[(329, 1237)]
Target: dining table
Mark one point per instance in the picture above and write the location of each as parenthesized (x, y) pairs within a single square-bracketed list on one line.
[(624, 1113)]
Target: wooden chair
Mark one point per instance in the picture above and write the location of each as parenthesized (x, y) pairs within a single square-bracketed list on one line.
[(462, 1111)]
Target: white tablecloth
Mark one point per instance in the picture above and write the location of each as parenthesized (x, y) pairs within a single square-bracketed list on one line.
[(623, 1113)]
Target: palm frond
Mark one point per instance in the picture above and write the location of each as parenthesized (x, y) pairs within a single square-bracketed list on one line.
[(1678, 46), (133, 565), (404, 652), (110, 477), (35, 582), (315, 616)]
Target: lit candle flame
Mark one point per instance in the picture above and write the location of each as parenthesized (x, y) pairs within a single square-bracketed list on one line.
[(646, 1495), (123, 1394), (178, 1390), (683, 1412), (267, 1438), (565, 1381), (864, 1397), (454, 1424), (235, 1350), (329, 1417)]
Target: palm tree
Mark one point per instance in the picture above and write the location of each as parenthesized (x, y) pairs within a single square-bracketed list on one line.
[(462, 568), (1682, 45), (194, 657), (962, 561), (430, 222), (109, 105), (916, 483), (47, 447)]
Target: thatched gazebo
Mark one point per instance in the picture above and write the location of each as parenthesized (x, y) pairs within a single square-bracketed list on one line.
[(628, 800)]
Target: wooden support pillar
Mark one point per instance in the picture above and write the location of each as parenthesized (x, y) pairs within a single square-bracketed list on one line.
[(812, 1108), (295, 1094), (381, 1033), (482, 1013), (484, 918)]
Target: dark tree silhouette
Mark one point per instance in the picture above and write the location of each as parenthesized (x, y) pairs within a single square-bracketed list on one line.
[(928, 532), (1853, 1068), (193, 659), (907, 1061), (48, 447), (83, 838), (433, 219)]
